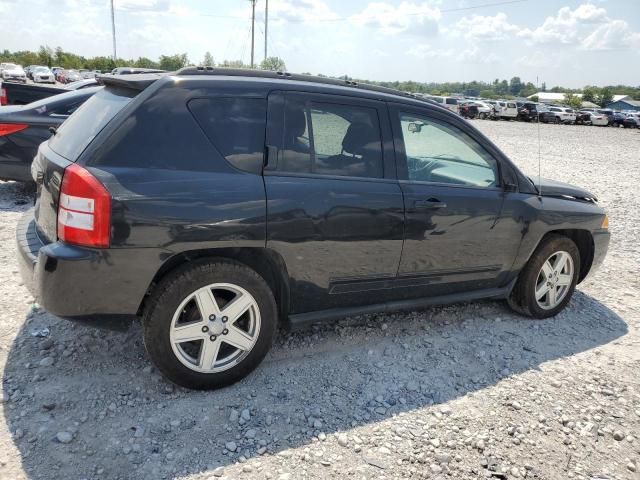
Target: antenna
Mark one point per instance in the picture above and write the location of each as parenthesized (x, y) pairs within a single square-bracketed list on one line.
[(539, 153)]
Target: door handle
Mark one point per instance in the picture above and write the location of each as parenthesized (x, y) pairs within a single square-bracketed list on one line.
[(430, 203)]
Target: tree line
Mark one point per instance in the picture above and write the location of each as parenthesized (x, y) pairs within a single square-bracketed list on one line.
[(496, 89), (59, 58)]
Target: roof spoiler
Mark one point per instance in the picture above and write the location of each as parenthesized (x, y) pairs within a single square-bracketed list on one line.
[(137, 81)]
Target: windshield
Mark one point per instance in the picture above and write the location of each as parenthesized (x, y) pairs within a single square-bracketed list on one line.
[(73, 136)]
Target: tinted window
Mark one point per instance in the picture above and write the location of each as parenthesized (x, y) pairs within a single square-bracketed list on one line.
[(345, 140), (80, 128), (451, 101), (236, 128), (161, 133), (441, 153)]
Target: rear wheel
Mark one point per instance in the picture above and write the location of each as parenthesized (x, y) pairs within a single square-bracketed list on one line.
[(547, 282), (557, 120), (210, 324)]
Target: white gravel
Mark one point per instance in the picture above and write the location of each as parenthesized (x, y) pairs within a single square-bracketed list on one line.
[(465, 392)]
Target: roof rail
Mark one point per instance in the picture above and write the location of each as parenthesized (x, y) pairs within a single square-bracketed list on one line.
[(245, 72)]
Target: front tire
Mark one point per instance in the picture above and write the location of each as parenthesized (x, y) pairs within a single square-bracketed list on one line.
[(547, 282), (209, 324)]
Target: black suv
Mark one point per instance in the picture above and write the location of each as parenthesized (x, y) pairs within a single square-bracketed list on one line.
[(215, 204)]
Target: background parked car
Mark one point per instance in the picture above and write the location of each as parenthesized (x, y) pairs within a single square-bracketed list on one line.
[(29, 70), (42, 75), (595, 118), (618, 118), (528, 112), (507, 110), (468, 109), (484, 109), (23, 128), (630, 120), (11, 71), (449, 103), (560, 115), (72, 76), (608, 113)]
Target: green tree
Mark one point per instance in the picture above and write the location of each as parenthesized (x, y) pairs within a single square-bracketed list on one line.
[(234, 64), (573, 101), (605, 97), (208, 60), (173, 62), (535, 98), (515, 86), (589, 94), (144, 62), (544, 87)]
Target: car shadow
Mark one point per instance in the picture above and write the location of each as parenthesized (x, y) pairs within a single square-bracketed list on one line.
[(125, 421)]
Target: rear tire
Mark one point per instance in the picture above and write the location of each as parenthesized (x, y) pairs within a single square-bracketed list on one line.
[(193, 315), (547, 282)]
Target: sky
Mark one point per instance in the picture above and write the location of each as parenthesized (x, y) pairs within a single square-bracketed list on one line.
[(559, 42)]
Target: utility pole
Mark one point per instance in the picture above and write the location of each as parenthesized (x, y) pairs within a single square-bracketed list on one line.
[(113, 31), (253, 27), (266, 25)]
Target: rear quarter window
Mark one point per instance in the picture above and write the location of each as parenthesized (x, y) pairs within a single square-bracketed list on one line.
[(73, 136), (235, 126)]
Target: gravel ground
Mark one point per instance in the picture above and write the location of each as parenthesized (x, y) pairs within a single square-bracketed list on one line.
[(465, 392)]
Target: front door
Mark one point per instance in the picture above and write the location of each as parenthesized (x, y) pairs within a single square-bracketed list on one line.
[(458, 234), (335, 210)]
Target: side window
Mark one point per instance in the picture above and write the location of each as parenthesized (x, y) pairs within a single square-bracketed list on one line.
[(236, 128), (441, 153), (331, 139), (452, 101), (511, 105)]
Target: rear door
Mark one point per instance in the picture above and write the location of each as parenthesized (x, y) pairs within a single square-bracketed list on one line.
[(334, 206), (460, 230)]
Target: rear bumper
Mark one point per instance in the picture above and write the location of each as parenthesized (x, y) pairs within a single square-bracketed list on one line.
[(90, 285)]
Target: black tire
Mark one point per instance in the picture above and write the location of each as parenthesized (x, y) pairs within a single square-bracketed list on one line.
[(557, 120), (522, 298), (177, 286)]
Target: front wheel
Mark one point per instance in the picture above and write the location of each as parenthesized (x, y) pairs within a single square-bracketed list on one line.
[(547, 282), (209, 324)]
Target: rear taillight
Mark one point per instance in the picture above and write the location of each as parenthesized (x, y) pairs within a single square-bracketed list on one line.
[(84, 209), (3, 97), (9, 128)]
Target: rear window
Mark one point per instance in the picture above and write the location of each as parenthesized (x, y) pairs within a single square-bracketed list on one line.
[(235, 126), (79, 129)]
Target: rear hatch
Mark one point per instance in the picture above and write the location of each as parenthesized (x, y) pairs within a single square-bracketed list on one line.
[(65, 147)]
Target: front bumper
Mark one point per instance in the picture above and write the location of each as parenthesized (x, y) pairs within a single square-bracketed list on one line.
[(601, 240), (84, 284)]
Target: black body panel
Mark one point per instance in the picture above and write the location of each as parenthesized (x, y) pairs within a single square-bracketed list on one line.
[(340, 244)]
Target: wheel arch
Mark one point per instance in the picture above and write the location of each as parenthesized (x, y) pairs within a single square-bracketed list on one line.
[(584, 241), (266, 262)]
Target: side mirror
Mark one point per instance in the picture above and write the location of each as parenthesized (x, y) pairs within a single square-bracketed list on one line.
[(414, 127)]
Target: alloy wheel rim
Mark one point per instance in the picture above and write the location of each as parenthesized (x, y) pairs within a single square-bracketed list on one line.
[(215, 327), (554, 280)]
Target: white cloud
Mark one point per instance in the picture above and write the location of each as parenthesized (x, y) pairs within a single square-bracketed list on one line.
[(143, 5), (408, 17), (478, 27), (474, 55), (292, 11), (612, 35), (567, 26), (426, 51)]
